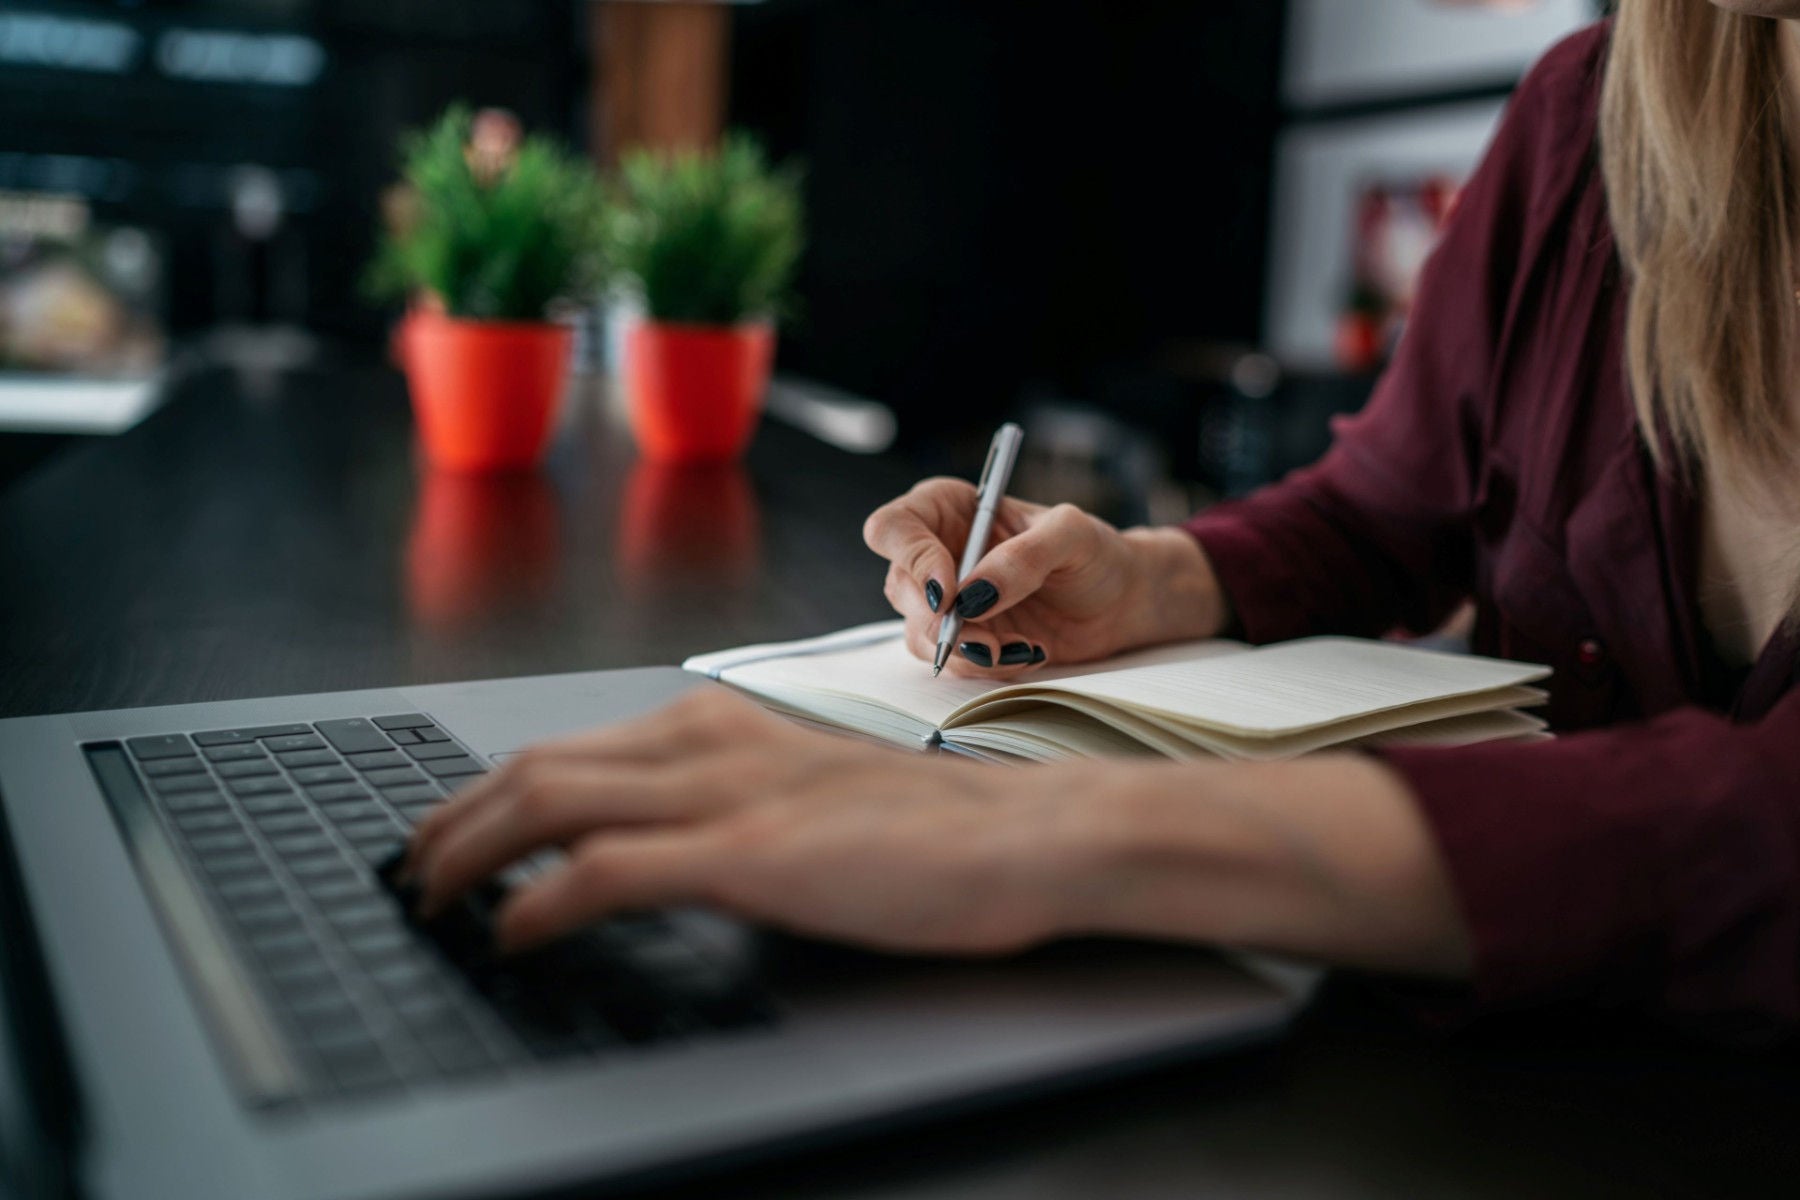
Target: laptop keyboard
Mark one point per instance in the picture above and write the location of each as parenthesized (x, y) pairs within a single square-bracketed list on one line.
[(285, 827)]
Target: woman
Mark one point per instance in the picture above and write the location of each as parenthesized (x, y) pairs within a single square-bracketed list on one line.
[(1589, 428)]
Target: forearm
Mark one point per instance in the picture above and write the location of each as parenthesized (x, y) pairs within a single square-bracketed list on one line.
[(1327, 858)]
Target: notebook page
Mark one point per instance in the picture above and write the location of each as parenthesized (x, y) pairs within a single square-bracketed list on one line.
[(1465, 730), (1052, 736), (1298, 686), (884, 672), (1046, 734), (1325, 737), (715, 663)]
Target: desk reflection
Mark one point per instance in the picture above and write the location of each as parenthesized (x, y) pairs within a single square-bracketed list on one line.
[(481, 546), (682, 526)]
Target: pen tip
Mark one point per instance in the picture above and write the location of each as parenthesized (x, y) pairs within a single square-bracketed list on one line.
[(937, 670)]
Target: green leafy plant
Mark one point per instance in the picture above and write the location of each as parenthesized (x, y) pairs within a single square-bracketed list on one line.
[(491, 240), (706, 238)]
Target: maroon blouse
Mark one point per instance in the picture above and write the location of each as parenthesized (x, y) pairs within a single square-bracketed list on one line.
[(1650, 856)]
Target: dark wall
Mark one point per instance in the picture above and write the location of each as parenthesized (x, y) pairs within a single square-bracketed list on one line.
[(1001, 191), (1004, 192), (154, 149)]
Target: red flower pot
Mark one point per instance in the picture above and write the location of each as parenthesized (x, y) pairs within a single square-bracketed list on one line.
[(484, 392), (694, 392)]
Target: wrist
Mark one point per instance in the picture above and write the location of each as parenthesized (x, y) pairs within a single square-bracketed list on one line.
[(1325, 858), (1166, 855), (1177, 596)]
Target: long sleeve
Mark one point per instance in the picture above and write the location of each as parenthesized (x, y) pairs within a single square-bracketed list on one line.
[(1651, 861), (1378, 533), (1654, 865)]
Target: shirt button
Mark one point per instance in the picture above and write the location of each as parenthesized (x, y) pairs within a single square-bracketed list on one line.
[(1591, 653)]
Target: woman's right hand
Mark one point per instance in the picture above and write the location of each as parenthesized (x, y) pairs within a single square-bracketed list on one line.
[(1055, 586)]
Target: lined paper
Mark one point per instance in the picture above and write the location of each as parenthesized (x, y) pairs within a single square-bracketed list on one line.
[(1299, 686), (886, 673), (1214, 697)]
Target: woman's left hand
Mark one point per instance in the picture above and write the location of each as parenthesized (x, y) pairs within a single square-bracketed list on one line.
[(711, 801)]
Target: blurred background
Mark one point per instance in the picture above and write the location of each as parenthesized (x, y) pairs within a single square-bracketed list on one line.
[(1173, 238)]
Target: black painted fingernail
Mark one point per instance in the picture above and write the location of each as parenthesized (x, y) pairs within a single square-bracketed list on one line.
[(976, 599), (977, 653), (1038, 655), (934, 594), (1014, 653)]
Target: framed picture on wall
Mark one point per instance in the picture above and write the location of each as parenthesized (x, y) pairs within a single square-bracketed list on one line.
[(1333, 242), (1352, 51)]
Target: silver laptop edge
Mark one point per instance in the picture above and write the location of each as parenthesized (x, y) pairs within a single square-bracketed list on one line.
[(162, 1112)]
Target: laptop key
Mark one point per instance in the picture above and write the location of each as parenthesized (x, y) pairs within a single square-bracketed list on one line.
[(261, 785), (234, 752), (230, 841), (294, 741), (412, 793), (278, 802), (328, 892), (387, 777), (308, 758), (300, 977), (430, 750), (233, 865), (421, 984), (248, 768), (368, 830), (353, 736), (405, 737), (268, 916), (338, 791), (320, 868), (402, 721), (327, 1011), (349, 919), (207, 820), (160, 768), (162, 745), (379, 942), (308, 777), (432, 733), (170, 785), (359, 808), (226, 737), (245, 891), (302, 844), (413, 977), (286, 821), (460, 765), (293, 942), (372, 760), (194, 801)]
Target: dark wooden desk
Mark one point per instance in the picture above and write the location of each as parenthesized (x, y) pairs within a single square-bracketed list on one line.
[(281, 539)]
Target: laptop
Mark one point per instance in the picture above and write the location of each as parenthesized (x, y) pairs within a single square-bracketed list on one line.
[(211, 993)]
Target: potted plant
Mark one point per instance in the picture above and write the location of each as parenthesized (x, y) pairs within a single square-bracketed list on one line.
[(486, 234), (707, 243)]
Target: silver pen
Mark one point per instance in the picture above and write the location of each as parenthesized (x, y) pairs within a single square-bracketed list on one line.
[(1002, 456)]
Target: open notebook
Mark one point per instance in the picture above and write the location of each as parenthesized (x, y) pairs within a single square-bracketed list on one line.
[(1186, 700)]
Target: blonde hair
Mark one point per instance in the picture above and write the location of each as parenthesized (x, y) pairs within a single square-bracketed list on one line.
[(1694, 150)]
